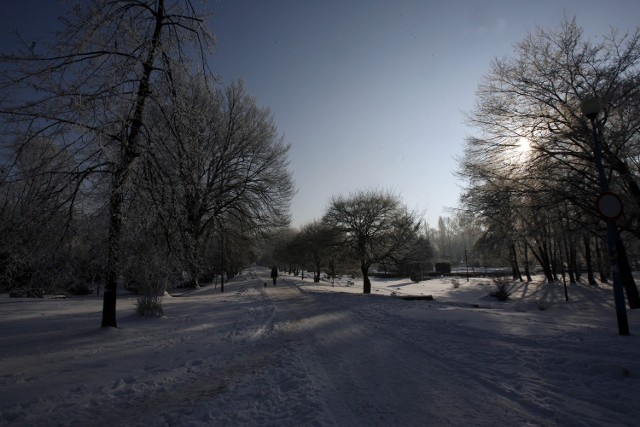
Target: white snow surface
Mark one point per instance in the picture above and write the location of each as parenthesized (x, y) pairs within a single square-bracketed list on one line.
[(305, 354)]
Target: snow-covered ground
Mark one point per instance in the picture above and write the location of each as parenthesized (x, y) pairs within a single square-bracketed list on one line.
[(315, 354)]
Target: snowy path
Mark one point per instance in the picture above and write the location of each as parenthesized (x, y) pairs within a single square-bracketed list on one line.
[(386, 373), (368, 370), (285, 356), (359, 360)]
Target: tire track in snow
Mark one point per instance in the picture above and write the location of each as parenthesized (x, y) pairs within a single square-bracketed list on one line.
[(369, 371), (278, 391), (262, 377)]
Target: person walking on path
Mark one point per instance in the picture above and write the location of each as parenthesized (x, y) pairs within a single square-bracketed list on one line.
[(274, 274)]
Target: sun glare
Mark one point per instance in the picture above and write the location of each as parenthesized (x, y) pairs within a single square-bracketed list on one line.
[(523, 145), (518, 151)]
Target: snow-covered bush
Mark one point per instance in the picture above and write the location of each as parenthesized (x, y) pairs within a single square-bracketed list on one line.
[(148, 275), (149, 301), (152, 284), (502, 291), (542, 303)]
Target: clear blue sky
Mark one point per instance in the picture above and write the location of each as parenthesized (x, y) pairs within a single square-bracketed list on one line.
[(370, 94)]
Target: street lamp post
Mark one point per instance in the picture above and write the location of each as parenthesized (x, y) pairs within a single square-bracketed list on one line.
[(590, 108), (466, 262), (221, 261)]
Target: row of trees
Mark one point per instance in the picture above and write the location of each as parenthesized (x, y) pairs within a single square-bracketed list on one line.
[(123, 159), (357, 232), (453, 241), (531, 179)]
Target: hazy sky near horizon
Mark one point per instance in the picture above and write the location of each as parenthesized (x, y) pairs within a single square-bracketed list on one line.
[(370, 94)]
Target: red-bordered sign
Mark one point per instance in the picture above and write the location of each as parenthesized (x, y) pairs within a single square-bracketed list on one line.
[(609, 205)]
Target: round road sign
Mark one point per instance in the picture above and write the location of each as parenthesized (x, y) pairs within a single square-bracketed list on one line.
[(609, 205)]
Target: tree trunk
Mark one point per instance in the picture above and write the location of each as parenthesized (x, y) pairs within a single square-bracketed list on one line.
[(602, 269), (567, 257), (221, 261), (316, 276), (543, 258), (527, 272), (587, 256), (568, 249), (515, 269), (366, 286), (627, 276), (193, 267), (573, 253), (554, 251), (629, 178), (113, 253), (129, 154)]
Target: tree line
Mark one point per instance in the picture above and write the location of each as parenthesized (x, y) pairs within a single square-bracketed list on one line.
[(366, 230), (125, 161), (530, 175)]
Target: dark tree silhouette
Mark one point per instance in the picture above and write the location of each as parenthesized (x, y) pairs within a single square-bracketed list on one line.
[(89, 92), (374, 226)]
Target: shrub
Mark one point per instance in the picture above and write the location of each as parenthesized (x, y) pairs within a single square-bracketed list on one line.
[(416, 275), (542, 303), (149, 305), (456, 283), (80, 288), (149, 302), (147, 276), (443, 267), (502, 291)]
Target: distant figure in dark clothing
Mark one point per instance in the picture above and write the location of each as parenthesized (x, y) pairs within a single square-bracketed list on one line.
[(274, 274)]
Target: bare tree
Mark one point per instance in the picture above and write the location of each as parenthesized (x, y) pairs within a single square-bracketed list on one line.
[(281, 250), (315, 243), (535, 95), (89, 92), (373, 225), (219, 167), (33, 201)]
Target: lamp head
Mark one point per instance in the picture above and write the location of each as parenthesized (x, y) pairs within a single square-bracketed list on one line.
[(590, 107)]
